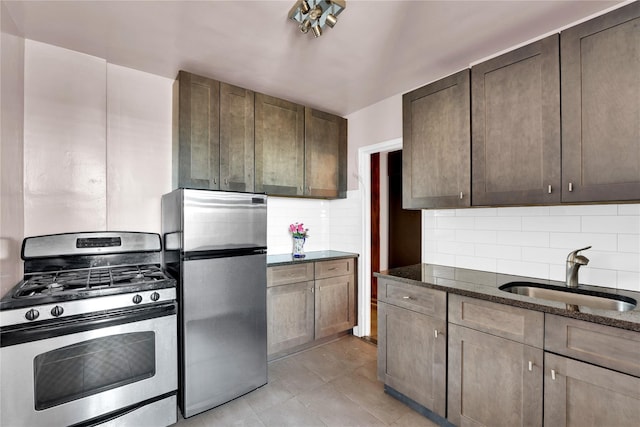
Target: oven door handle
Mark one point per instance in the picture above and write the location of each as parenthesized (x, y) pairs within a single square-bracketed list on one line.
[(19, 334)]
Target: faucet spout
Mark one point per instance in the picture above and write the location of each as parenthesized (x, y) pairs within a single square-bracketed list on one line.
[(574, 261)]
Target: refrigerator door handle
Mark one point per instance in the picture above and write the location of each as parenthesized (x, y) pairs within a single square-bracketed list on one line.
[(222, 253)]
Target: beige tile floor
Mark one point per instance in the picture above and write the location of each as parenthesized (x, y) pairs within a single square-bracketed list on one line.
[(331, 385)]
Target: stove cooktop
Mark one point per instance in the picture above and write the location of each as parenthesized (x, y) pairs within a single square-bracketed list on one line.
[(88, 280)]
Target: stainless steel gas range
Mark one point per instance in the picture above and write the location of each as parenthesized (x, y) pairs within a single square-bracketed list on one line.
[(89, 336)]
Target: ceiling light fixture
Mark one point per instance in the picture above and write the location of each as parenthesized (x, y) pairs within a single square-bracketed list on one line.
[(315, 14)]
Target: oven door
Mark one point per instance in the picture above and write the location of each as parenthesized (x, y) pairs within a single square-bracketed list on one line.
[(64, 373)]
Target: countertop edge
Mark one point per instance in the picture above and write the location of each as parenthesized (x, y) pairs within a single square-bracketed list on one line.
[(313, 256), (488, 293)]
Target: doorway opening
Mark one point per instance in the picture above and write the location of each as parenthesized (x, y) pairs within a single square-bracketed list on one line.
[(395, 232)]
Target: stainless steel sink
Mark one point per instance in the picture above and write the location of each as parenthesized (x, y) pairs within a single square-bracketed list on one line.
[(573, 297)]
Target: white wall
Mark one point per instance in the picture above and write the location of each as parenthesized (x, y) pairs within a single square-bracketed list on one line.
[(97, 143), (11, 150), (64, 140)]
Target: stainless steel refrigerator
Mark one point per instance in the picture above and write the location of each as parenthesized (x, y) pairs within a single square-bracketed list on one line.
[(215, 245)]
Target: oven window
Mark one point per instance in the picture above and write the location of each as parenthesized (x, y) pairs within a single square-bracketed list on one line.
[(93, 366)]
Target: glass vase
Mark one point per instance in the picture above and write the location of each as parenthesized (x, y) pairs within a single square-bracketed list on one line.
[(298, 247)]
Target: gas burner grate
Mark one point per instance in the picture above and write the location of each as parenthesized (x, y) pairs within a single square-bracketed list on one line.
[(90, 279)]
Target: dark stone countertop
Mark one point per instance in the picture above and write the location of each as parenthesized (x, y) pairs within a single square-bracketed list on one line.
[(284, 259), (484, 285)]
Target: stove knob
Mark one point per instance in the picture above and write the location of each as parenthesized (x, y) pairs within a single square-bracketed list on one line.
[(137, 299), (32, 314), (155, 296), (57, 311)]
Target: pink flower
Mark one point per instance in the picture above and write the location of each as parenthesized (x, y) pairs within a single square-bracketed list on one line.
[(298, 230)]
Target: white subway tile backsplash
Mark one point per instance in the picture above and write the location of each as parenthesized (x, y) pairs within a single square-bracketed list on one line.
[(477, 212), (524, 268), (524, 238), (572, 241), (629, 280), (476, 236), (545, 255), (535, 241), (524, 211), (499, 251), (476, 263), (611, 224), (455, 223), (551, 223), (614, 260), (455, 248), (499, 223), (631, 209), (597, 277), (583, 210), (629, 243), (439, 258)]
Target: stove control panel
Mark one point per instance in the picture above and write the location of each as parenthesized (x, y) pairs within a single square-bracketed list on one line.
[(64, 309)]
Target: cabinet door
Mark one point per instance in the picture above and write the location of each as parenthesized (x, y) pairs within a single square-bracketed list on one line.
[(335, 305), (436, 144), (493, 381), (579, 394), (516, 126), (412, 355), (196, 138), (325, 154), (279, 133), (236, 138), (289, 316), (601, 108)]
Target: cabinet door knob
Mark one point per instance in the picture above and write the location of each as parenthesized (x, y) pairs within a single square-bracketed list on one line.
[(571, 186), (553, 374), (549, 190)]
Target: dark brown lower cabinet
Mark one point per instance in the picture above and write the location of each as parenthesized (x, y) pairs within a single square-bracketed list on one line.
[(290, 316), (412, 352), (578, 394), (335, 305), (309, 303), (493, 381)]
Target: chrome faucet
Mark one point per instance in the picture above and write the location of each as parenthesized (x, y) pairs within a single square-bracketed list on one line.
[(574, 261)]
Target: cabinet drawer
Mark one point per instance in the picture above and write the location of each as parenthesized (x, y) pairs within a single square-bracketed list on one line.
[(423, 300), (333, 268), (502, 320), (602, 345), (284, 274)]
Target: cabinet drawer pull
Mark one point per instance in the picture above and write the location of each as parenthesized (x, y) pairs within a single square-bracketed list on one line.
[(408, 297), (332, 268), (530, 365), (553, 374)]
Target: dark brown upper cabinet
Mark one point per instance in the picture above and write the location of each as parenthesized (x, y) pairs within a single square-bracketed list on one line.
[(325, 154), (515, 113), (279, 133), (436, 144), (213, 134), (236, 138), (601, 108), (196, 132)]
